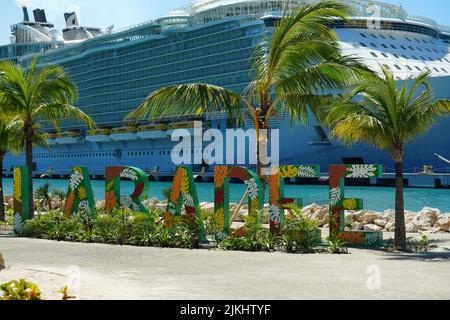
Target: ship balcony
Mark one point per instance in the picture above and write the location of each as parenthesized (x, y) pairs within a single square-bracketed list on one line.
[(152, 132), (100, 135), (192, 128), (69, 137), (51, 139), (124, 134)]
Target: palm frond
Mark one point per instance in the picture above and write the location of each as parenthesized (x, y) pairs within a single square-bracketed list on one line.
[(189, 99), (387, 116)]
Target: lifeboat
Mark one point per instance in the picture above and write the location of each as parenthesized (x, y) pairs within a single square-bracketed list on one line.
[(192, 128), (124, 134), (50, 138), (68, 137), (99, 135), (152, 132)]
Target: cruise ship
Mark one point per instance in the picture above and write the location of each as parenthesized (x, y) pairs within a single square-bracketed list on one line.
[(211, 41)]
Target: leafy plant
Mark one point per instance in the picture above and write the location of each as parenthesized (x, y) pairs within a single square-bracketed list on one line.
[(421, 245), (166, 193), (300, 234), (336, 245), (19, 290), (59, 194), (66, 295), (44, 196), (254, 236)]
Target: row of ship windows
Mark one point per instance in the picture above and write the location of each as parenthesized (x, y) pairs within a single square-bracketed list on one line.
[(163, 46), (417, 68), (402, 47), (102, 154), (168, 57), (138, 88), (97, 42), (408, 67), (146, 69), (393, 38)]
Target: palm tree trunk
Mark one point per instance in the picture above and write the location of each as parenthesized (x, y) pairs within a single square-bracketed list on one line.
[(400, 229), (2, 199), (261, 153), (29, 160)]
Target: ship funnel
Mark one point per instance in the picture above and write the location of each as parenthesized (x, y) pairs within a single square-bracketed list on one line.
[(26, 17), (71, 19), (39, 15)]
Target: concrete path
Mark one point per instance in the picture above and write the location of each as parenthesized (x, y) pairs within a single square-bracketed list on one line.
[(113, 272)]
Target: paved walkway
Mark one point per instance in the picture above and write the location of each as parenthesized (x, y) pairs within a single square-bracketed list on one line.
[(113, 272)]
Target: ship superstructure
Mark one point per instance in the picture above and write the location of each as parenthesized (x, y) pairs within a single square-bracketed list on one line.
[(212, 42)]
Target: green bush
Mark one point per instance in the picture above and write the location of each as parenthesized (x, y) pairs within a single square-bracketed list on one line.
[(124, 227), (19, 290), (336, 245), (300, 234), (256, 237)]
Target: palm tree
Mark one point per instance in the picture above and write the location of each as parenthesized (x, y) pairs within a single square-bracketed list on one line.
[(9, 135), (44, 93), (292, 70), (382, 114), (44, 195)]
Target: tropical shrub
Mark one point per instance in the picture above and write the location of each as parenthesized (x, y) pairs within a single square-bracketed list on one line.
[(253, 236), (336, 245), (19, 290), (300, 234)]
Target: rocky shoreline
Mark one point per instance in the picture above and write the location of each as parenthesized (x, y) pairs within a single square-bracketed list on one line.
[(428, 220)]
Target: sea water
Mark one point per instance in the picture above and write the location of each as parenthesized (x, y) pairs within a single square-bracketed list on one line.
[(375, 198)]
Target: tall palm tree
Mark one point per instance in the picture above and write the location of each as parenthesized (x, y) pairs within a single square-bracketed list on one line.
[(292, 70), (382, 114), (9, 136), (44, 93)]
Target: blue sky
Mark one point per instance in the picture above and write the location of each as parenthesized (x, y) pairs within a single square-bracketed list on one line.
[(103, 13)]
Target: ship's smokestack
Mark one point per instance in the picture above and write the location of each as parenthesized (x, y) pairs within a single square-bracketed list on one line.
[(39, 15), (26, 17), (71, 19)]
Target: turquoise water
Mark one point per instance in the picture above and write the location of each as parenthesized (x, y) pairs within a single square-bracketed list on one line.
[(374, 198)]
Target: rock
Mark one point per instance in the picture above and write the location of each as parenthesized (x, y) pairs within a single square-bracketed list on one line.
[(411, 228), (349, 218), (444, 224), (321, 212), (325, 221), (429, 215), (308, 210), (358, 226), (388, 215), (161, 206), (208, 209), (390, 226), (2, 262), (359, 215), (372, 228), (100, 205), (381, 223), (422, 225), (153, 201), (371, 216)]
